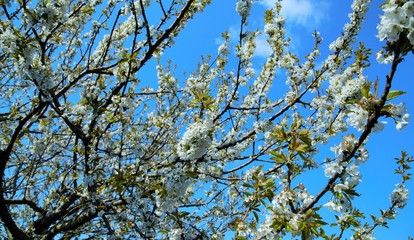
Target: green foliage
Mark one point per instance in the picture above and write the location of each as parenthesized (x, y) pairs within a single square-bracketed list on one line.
[(404, 166), (394, 93), (203, 100)]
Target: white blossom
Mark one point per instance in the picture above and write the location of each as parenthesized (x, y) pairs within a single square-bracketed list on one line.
[(332, 168), (175, 234), (223, 48), (362, 233), (195, 141), (384, 59), (265, 230), (396, 19), (357, 117), (243, 7), (399, 196), (403, 122), (332, 206)]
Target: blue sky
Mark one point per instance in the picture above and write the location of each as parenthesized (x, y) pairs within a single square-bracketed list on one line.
[(202, 37)]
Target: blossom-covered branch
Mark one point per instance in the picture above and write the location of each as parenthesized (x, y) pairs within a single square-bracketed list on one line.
[(89, 148)]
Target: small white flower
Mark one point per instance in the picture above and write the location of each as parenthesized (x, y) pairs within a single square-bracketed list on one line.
[(340, 187), (305, 197), (332, 168), (270, 29), (405, 117), (294, 222), (362, 233), (398, 110), (363, 155), (379, 126), (384, 59), (249, 72), (400, 125), (223, 48), (357, 117), (243, 7), (399, 196), (175, 234), (332, 206)]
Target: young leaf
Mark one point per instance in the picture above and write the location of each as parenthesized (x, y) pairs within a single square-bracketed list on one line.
[(395, 93)]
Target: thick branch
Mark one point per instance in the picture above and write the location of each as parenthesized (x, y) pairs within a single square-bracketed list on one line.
[(47, 220), (26, 202)]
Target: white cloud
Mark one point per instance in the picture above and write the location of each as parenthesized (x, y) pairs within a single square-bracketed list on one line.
[(307, 13), (262, 47)]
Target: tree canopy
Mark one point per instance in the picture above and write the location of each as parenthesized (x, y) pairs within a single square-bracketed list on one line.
[(89, 149)]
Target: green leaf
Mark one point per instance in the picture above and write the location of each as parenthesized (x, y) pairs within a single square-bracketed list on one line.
[(240, 238), (256, 216), (302, 148), (352, 192), (184, 214), (365, 90), (303, 157), (192, 174), (320, 222), (278, 156), (314, 231), (306, 139), (395, 93), (247, 185)]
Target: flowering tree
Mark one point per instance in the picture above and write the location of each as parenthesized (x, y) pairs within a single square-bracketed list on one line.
[(89, 149)]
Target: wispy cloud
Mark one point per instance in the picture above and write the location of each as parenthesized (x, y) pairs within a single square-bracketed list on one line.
[(262, 47), (307, 13), (300, 15)]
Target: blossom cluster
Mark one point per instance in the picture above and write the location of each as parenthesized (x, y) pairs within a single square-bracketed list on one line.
[(397, 21), (398, 18), (195, 141), (399, 196), (243, 7)]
